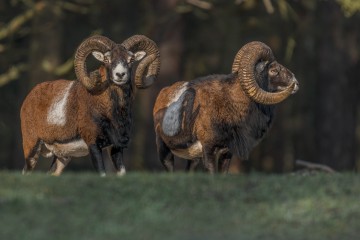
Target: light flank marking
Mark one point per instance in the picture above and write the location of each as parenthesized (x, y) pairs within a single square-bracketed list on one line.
[(57, 111)]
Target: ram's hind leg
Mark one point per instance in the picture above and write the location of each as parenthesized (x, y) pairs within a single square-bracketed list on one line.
[(58, 165), (31, 153), (165, 155)]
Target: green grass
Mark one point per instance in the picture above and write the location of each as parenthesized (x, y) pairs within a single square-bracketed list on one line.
[(179, 206)]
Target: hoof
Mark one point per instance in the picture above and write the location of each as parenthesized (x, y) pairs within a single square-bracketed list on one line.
[(122, 172)]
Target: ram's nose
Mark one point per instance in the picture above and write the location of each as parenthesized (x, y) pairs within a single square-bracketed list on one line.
[(297, 85), (120, 75)]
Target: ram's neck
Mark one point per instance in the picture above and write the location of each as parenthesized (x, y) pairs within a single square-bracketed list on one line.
[(121, 101), (240, 101)]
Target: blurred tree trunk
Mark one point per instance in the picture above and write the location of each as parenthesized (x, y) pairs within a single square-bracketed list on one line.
[(335, 106), (45, 47), (162, 19), (44, 57)]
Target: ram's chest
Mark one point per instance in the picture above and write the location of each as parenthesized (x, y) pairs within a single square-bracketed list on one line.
[(259, 123), (115, 129), (248, 133), (259, 130)]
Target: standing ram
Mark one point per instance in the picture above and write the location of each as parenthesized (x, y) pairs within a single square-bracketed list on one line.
[(67, 119), (216, 116)]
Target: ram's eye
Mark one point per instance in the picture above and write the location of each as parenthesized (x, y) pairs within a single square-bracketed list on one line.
[(274, 72)]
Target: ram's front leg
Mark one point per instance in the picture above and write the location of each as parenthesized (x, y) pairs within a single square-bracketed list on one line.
[(97, 159), (117, 159), (192, 164)]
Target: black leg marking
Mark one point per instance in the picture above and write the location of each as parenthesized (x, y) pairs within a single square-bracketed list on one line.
[(97, 160), (117, 159)]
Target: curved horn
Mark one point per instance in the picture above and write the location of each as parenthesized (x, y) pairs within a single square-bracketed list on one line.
[(151, 63), (244, 64), (98, 43)]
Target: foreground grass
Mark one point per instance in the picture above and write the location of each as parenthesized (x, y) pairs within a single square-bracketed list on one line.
[(179, 206)]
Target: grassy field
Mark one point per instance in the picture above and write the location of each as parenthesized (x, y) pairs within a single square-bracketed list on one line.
[(179, 206)]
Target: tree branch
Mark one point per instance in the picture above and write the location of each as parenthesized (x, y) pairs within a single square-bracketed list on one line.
[(200, 4), (20, 20), (12, 74), (73, 7), (269, 7), (64, 68)]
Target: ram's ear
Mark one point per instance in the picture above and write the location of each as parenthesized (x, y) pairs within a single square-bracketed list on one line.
[(139, 55), (105, 58), (261, 66)]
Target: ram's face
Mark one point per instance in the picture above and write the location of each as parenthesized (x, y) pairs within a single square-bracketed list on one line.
[(119, 65), (280, 77), (118, 62)]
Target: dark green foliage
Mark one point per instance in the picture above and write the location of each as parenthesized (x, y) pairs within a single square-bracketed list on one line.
[(179, 206)]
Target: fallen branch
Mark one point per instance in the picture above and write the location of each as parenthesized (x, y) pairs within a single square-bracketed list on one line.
[(314, 166)]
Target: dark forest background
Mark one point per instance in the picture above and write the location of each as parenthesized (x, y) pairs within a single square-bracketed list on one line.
[(318, 40)]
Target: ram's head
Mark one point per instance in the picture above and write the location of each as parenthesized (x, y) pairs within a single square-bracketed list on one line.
[(118, 59), (256, 59)]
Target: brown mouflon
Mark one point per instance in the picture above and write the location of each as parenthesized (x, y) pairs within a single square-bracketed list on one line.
[(67, 119), (213, 117)]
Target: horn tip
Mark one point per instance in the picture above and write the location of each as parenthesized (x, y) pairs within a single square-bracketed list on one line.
[(149, 80)]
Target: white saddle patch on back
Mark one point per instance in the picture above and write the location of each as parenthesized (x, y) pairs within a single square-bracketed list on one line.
[(171, 123), (191, 153), (57, 111), (175, 96), (76, 148)]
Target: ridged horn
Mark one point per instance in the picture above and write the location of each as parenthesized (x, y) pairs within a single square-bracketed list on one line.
[(149, 67), (244, 65), (93, 43)]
